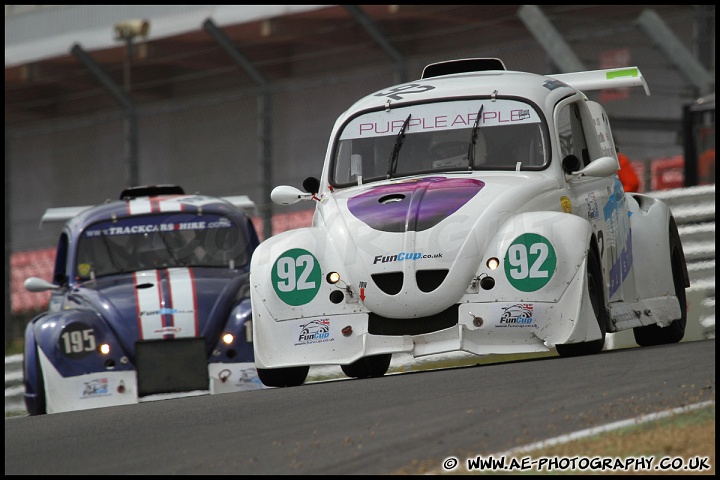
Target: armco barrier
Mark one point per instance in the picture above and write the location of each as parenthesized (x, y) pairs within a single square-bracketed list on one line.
[(694, 212)]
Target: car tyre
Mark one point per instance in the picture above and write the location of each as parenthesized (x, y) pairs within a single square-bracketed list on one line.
[(597, 298), (368, 367), (650, 335), (283, 377)]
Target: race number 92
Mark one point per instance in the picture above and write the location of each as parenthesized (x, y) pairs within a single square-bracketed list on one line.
[(296, 277), (530, 262)]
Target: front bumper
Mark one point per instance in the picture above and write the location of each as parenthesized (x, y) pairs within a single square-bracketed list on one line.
[(482, 328), (106, 389)]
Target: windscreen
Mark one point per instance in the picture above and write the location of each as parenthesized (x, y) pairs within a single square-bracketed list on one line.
[(441, 136), (160, 241)]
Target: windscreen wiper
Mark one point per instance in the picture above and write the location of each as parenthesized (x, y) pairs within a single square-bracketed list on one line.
[(473, 139), (392, 166)]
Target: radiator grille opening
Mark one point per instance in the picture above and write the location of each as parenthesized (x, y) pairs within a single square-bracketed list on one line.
[(378, 325)]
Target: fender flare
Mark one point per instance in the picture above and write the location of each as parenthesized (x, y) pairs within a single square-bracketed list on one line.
[(650, 222)]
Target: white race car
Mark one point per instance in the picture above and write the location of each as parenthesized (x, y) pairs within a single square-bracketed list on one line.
[(476, 209)]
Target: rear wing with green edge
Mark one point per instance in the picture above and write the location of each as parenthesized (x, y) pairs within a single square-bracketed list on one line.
[(601, 79), (63, 214)]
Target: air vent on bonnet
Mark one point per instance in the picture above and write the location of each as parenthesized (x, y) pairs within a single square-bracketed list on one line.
[(390, 283), (464, 65), (429, 280)]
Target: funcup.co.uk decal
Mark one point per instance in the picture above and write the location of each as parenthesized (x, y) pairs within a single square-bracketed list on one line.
[(296, 277), (530, 262)]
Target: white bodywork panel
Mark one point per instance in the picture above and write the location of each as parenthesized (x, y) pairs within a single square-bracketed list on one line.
[(413, 242)]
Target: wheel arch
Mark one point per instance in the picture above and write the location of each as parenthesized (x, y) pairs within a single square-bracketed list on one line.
[(651, 221), (34, 394)]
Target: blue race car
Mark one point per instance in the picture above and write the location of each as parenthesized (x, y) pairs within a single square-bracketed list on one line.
[(149, 298)]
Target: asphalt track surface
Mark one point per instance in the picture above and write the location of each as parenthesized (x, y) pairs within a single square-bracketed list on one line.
[(372, 426)]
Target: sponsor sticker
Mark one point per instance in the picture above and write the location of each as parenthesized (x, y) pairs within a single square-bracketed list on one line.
[(315, 331), (519, 315), (95, 388), (565, 204)]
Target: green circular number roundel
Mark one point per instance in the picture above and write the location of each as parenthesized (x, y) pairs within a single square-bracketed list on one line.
[(296, 277), (530, 262)]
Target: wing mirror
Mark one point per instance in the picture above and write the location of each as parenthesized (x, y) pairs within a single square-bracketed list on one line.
[(287, 195), (602, 167), (35, 284)]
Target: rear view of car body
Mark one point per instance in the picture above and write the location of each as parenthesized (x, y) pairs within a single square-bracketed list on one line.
[(150, 300)]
